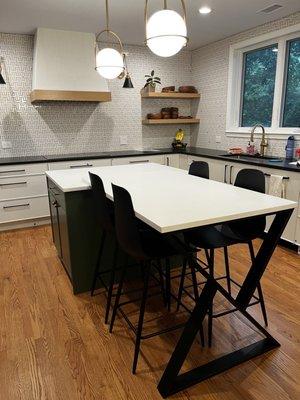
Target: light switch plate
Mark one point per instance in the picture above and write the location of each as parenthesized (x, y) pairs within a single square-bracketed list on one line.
[(218, 139), (123, 140), (6, 144)]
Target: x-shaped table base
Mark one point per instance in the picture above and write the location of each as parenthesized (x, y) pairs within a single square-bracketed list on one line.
[(171, 381)]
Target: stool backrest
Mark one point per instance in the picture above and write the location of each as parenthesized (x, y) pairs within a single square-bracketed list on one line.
[(126, 225), (103, 211), (199, 168), (251, 179)]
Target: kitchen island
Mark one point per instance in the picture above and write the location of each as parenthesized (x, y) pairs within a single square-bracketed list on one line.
[(159, 195)]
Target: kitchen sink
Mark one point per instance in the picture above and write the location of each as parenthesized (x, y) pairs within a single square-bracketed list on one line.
[(256, 157)]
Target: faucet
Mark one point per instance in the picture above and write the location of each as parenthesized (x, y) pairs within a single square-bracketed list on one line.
[(264, 141)]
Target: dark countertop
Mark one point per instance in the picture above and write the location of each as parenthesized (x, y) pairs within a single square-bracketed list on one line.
[(282, 164)]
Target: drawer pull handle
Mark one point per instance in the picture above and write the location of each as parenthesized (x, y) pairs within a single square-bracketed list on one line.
[(13, 183), (17, 205), (81, 166), (55, 204), (138, 161), (12, 170)]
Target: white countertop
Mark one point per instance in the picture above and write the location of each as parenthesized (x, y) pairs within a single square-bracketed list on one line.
[(168, 199)]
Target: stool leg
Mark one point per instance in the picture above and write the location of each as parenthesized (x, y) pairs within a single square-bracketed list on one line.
[(147, 267), (259, 289), (111, 282), (168, 284), (96, 272), (182, 279), (162, 284), (195, 284), (210, 309), (226, 259), (118, 295)]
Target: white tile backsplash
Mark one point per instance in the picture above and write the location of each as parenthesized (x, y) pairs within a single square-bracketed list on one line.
[(65, 127)]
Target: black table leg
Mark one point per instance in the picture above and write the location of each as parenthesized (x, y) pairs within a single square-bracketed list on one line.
[(171, 382)]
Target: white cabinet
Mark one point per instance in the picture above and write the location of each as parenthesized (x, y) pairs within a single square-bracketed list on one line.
[(172, 160), (23, 193), (292, 185), (79, 164), (216, 167), (159, 159)]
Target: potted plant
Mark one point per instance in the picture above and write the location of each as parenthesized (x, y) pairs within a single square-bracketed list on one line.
[(151, 81)]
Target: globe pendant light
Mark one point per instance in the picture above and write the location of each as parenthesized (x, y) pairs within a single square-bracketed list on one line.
[(109, 61), (166, 32)]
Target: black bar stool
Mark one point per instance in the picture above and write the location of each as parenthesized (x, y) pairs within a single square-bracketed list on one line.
[(199, 168), (148, 248), (225, 235), (104, 214)]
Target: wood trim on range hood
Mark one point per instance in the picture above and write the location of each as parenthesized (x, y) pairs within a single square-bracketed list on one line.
[(67, 95), (64, 68)]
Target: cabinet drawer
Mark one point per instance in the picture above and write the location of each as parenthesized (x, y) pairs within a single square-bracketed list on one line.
[(79, 164), (22, 169), (27, 186), (15, 210), (159, 159)]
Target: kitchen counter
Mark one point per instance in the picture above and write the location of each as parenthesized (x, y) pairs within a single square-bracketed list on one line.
[(283, 164)]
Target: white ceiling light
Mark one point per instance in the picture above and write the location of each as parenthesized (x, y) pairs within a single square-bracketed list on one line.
[(166, 32), (205, 10), (109, 62)]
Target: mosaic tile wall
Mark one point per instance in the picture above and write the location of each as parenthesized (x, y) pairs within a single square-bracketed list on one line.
[(210, 75), (57, 128)]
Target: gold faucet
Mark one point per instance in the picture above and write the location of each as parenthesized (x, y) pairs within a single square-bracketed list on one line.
[(264, 141)]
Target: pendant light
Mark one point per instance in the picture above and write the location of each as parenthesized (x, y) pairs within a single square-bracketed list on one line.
[(2, 81), (166, 31), (109, 61), (128, 82)]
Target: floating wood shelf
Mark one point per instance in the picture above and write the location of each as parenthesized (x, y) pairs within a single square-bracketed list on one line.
[(66, 95), (175, 121), (170, 95)]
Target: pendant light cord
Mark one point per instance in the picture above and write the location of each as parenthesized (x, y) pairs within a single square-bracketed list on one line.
[(165, 4), (107, 16)]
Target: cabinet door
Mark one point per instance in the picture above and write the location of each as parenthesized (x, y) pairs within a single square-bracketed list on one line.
[(216, 168), (55, 223), (297, 232), (172, 160), (64, 239)]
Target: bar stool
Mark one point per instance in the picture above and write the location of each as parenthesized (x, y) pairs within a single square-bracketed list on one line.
[(148, 248), (104, 215), (199, 168), (225, 235)]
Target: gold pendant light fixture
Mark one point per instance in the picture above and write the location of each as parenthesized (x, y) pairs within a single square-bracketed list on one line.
[(109, 61), (166, 31)]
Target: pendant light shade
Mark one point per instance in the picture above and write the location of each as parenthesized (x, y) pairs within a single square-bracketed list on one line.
[(166, 31), (109, 61), (2, 81), (128, 82)]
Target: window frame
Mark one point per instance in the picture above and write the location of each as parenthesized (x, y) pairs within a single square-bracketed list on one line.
[(235, 79)]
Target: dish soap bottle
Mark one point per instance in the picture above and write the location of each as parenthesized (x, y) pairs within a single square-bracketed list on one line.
[(289, 148)]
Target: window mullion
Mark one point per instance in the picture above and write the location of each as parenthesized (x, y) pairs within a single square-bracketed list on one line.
[(279, 82)]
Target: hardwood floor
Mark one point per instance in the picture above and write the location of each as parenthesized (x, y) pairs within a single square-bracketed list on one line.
[(54, 345)]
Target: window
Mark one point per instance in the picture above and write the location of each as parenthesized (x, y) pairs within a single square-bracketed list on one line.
[(258, 86), (291, 112), (264, 84)]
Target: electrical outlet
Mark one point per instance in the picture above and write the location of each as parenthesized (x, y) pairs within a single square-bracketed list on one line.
[(123, 140), (6, 144), (218, 139)]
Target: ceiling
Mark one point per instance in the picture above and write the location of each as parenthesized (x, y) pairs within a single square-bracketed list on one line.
[(228, 16)]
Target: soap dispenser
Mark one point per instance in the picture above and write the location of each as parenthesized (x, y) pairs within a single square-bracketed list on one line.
[(289, 148)]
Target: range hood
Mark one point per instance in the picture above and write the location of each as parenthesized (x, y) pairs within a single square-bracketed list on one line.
[(64, 68)]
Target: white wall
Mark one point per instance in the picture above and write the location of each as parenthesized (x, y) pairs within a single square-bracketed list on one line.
[(84, 127), (210, 75)]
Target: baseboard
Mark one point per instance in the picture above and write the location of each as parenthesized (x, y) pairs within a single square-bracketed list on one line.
[(10, 226)]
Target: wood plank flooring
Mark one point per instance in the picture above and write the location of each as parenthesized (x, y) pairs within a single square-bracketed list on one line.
[(54, 345)]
